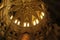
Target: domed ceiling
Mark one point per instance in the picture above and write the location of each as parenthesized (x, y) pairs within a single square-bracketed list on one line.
[(24, 16), (26, 13)]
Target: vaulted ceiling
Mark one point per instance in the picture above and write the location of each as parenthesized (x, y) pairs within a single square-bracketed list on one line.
[(33, 17)]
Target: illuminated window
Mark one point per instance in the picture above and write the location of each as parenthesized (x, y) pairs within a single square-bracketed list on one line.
[(42, 13), (24, 24), (15, 21), (27, 24), (37, 21), (18, 23), (11, 17), (34, 23), (41, 17)]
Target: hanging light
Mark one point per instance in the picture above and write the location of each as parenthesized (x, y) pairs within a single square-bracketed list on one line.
[(15, 21), (42, 13), (27, 24), (37, 21), (11, 17), (24, 24), (18, 23)]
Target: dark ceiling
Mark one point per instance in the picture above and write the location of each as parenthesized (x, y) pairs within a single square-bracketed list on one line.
[(54, 10)]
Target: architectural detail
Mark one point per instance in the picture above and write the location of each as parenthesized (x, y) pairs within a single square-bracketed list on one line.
[(26, 20)]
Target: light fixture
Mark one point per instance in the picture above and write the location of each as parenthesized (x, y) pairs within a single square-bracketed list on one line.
[(15, 21), (42, 13), (11, 17), (27, 24), (24, 24), (37, 21), (18, 23)]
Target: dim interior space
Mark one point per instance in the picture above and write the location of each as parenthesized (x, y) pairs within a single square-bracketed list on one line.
[(29, 20)]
